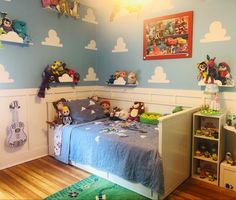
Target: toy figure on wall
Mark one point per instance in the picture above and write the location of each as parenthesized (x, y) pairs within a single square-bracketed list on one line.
[(57, 72), (168, 36), (210, 72), (64, 7), (13, 30)]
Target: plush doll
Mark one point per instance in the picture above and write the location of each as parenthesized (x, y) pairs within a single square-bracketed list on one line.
[(106, 107), (202, 68), (58, 105), (20, 28), (136, 110), (5, 23), (132, 78), (224, 72), (66, 118)]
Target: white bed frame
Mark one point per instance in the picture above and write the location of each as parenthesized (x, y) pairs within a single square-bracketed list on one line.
[(174, 148)]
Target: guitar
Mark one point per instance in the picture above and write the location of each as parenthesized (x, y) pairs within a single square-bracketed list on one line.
[(16, 134)]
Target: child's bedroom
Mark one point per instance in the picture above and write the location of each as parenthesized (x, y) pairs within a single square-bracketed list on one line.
[(117, 99)]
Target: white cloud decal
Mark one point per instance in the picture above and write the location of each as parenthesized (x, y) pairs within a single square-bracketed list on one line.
[(120, 46), (216, 33), (91, 76), (52, 39), (159, 76), (92, 45), (4, 75), (90, 17), (65, 78), (11, 36), (157, 5), (119, 81)]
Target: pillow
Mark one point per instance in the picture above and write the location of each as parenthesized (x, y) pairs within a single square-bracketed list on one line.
[(85, 110)]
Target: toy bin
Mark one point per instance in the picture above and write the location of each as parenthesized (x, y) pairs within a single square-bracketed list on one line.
[(228, 176)]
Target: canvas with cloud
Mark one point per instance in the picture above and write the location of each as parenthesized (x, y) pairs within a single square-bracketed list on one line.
[(92, 45), (4, 75), (90, 17), (159, 76), (216, 33), (52, 39), (120, 46), (91, 76)]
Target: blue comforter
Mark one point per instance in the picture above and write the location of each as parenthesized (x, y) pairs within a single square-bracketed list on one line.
[(127, 150)]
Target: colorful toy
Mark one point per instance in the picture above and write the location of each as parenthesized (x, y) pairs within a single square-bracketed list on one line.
[(52, 74), (150, 118), (136, 110), (123, 115), (5, 23), (211, 69), (20, 28), (202, 68), (229, 158), (73, 194), (66, 118), (224, 74), (63, 7), (74, 12), (114, 114)]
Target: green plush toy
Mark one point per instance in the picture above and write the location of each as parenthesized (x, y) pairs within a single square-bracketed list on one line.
[(177, 109)]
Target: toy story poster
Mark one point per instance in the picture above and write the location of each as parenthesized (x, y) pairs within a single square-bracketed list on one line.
[(168, 37)]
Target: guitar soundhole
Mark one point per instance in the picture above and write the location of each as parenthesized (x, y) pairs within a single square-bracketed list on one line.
[(17, 130)]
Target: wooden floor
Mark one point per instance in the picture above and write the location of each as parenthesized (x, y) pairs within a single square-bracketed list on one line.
[(39, 178)]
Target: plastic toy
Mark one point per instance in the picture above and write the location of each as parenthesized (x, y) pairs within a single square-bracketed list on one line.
[(114, 114), (52, 74), (5, 23), (63, 7), (111, 79), (202, 68), (229, 158), (74, 12), (150, 118), (211, 69), (123, 115), (198, 153), (20, 28)]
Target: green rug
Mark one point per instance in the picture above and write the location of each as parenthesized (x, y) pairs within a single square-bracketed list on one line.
[(96, 188)]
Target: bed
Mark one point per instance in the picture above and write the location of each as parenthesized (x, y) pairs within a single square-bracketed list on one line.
[(169, 146)]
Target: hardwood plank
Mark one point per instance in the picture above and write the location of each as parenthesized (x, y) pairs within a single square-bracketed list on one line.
[(39, 178)]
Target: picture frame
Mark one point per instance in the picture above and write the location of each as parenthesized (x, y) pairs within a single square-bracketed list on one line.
[(168, 36)]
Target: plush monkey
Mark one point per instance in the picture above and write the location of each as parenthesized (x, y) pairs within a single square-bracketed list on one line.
[(136, 110)]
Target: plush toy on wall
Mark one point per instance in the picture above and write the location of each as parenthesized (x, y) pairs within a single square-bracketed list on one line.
[(13, 30), (53, 73), (123, 78)]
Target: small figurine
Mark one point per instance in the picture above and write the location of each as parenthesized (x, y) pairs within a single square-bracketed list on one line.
[(211, 178), (202, 68), (132, 78), (207, 154), (211, 69), (106, 107), (198, 132), (229, 158), (5, 22), (63, 7), (114, 114), (74, 12), (198, 153), (73, 194), (111, 79), (203, 173), (123, 74), (20, 28)]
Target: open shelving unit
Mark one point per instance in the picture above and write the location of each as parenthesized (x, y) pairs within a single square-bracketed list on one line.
[(207, 135)]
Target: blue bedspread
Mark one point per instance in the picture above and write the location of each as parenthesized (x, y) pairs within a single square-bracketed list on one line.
[(130, 151)]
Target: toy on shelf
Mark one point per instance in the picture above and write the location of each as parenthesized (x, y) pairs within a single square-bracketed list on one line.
[(207, 132), (229, 159), (63, 7), (57, 72), (210, 72), (213, 107), (123, 78), (13, 30)]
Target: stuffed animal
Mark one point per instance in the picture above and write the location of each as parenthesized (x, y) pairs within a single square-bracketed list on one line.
[(63, 7), (5, 23), (106, 107), (211, 69), (132, 78), (136, 110), (123, 115), (66, 118), (224, 73), (20, 28)]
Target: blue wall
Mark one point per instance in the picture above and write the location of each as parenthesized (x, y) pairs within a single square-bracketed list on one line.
[(182, 73), (25, 64)]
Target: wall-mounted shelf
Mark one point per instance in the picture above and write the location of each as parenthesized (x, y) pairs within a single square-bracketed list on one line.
[(126, 85)]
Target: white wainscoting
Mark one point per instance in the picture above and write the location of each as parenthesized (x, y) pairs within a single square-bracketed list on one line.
[(33, 112)]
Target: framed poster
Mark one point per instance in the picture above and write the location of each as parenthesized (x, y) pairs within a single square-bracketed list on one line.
[(168, 36)]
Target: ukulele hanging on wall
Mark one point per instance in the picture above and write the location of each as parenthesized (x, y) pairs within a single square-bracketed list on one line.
[(16, 135)]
